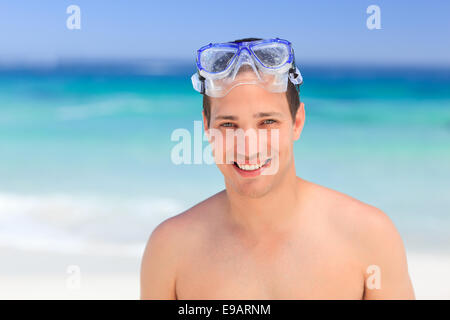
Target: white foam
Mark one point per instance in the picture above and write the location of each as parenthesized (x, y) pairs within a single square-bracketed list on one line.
[(105, 107), (81, 224)]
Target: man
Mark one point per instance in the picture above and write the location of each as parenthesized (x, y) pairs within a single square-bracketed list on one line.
[(269, 234)]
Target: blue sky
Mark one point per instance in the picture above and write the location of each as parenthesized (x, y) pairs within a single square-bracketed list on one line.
[(413, 32)]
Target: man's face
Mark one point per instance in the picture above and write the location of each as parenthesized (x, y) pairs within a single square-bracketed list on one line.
[(255, 163)]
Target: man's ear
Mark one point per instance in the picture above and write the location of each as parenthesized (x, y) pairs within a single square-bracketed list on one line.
[(205, 123), (205, 120), (299, 121)]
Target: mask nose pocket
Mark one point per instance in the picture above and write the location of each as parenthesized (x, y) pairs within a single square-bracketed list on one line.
[(245, 63)]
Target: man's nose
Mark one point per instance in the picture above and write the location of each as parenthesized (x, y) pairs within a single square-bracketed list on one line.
[(250, 146)]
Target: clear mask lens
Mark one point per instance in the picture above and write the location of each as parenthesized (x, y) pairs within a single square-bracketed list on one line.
[(272, 55), (216, 60)]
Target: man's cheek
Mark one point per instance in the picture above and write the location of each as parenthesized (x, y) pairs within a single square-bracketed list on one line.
[(218, 146), (273, 152)]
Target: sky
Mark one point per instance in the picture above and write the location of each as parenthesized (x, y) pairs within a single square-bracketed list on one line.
[(412, 32)]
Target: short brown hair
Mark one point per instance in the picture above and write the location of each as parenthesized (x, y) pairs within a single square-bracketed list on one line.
[(292, 93)]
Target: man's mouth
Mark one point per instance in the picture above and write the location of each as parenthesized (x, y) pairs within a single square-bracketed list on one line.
[(251, 167)]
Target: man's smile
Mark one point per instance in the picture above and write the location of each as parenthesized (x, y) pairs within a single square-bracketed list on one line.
[(250, 170)]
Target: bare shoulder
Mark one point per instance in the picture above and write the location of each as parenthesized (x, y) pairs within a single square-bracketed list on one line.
[(168, 245), (187, 225), (365, 226), (367, 235), (371, 237)]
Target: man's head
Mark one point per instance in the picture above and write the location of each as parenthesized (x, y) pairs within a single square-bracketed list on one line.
[(271, 122), (292, 92)]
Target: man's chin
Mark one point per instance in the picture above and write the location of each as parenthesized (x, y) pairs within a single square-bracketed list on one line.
[(255, 188)]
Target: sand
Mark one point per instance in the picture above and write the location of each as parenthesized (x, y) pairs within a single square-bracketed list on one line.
[(25, 275), (430, 274)]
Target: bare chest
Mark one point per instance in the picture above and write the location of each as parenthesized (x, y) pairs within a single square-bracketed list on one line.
[(295, 269)]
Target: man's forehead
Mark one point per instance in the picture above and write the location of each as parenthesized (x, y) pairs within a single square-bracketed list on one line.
[(250, 98)]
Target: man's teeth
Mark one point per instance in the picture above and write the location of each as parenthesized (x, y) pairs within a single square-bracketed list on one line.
[(249, 167)]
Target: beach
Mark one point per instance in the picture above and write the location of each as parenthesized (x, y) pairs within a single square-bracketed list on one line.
[(118, 278), (86, 171), (429, 275)]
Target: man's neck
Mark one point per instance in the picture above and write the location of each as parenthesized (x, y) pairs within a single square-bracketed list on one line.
[(272, 212)]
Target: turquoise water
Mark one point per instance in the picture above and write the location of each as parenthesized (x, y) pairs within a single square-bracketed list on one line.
[(85, 155)]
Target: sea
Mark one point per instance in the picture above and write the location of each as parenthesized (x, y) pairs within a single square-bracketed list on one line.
[(85, 150)]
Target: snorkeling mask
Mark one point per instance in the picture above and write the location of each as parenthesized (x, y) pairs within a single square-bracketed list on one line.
[(268, 63)]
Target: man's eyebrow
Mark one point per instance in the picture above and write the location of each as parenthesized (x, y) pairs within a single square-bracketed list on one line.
[(256, 115), (225, 117), (267, 114)]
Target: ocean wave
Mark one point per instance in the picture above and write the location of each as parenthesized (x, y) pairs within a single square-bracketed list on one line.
[(81, 224), (105, 107)]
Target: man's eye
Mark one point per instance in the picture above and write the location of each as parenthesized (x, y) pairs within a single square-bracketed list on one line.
[(227, 124), (269, 121)]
